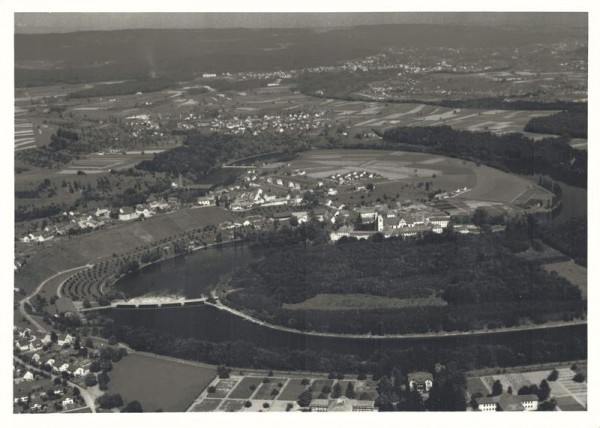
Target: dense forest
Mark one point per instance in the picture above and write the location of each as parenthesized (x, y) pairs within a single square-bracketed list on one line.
[(202, 154), (482, 283), (509, 152), (381, 362), (123, 88), (565, 123), (569, 237)]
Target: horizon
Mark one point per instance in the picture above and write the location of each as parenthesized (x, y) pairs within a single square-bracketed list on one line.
[(71, 22)]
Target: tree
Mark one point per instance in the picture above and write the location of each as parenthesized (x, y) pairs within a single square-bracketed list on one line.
[(248, 403), (336, 392), (90, 380), (223, 372), (350, 391), (579, 377), (544, 391), (95, 366), (553, 376), (133, 407), (497, 388), (305, 398), (53, 336), (110, 401)]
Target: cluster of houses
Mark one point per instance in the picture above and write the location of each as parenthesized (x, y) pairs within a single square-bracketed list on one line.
[(152, 206), (349, 177), (256, 125), (38, 347)]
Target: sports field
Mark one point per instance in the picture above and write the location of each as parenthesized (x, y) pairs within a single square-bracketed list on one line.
[(159, 383)]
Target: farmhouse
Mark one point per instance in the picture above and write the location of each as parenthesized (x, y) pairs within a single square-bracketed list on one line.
[(206, 201), (127, 213), (420, 381)]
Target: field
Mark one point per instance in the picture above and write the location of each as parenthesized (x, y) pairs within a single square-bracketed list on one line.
[(360, 301), (97, 163), (266, 390), (147, 379), (405, 170), (571, 271), (242, 390), (569, 395), (292, 390)]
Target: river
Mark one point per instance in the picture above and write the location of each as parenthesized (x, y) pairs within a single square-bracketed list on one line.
[(190, 275)]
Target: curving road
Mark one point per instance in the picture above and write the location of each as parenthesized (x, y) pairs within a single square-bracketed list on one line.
[(27, 299)]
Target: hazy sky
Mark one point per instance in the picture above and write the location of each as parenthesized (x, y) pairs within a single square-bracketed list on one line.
[(66, 22)]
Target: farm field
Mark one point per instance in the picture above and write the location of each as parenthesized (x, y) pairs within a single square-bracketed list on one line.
[(147, 379), (96, 163), (569, 395)]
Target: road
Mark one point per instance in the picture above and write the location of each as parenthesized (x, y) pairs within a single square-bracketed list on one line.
[(28, 298), (223, 307)]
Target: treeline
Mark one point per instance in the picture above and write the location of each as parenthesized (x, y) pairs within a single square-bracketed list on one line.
[(565, 123), (568, 237), (509, 152), (64, 145), (379, 363), (123, 88), (25, 213), (203, 154), (483, 283)]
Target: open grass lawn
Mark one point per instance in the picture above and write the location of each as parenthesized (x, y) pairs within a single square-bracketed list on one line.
[(292, 390), (360, 301), (568, 404), (265, 392), (206, 405), (366, 389), (222, 388), (475, 384), (572, 272), (243, 391), (157, 383), (318, 385), (232, 406)]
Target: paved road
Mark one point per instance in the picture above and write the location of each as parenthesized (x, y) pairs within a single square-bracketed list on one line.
[(28, 298)]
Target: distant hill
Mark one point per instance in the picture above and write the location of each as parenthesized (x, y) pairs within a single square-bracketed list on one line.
[(178, 54)]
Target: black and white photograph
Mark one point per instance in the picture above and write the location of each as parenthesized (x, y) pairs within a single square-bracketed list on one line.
[(291, 212)]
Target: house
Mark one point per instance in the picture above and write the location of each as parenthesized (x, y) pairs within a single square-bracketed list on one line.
[(363, 406), (508, 403), (102, 213), (22, 345), (28, 377), (127, 213), (420, 381), (35, 358), (206, 201), (35, 345), (319, 405), (67, 402), (80, 372)]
